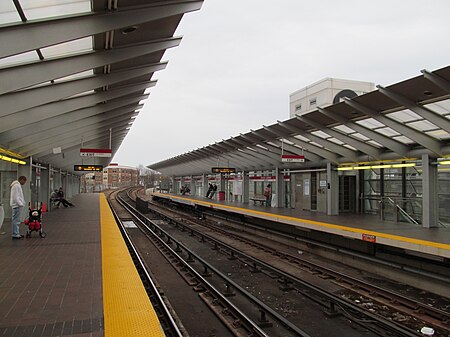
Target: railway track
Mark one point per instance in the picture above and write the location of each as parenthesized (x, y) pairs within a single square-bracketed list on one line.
[(333, 304), (392, 305)]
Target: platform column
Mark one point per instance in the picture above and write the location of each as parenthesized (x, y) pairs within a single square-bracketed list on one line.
[(193, 187), (26, 170), (45, 185), (245, 187), (430, 202), (280, 190), (205, 184), (181, 184), (57, 179), (332, 190)]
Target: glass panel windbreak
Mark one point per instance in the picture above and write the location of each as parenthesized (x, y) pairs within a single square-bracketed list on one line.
[(393, 182), (41, 9), (372, 191), (444, 195)]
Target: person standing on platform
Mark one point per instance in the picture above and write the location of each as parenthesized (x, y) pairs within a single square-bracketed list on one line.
[(17, 202), (268, 194)]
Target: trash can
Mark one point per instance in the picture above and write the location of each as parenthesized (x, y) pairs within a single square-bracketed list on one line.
[(221, 195)]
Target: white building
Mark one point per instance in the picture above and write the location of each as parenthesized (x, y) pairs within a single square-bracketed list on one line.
[(325, 92)]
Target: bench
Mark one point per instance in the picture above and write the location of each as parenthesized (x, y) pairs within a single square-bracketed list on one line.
[(258, 198)]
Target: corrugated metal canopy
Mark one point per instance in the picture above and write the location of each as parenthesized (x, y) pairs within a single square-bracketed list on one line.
[(72, 70), (402, 121)]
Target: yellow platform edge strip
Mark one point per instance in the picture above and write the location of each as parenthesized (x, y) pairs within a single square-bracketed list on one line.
[(126, 306), (318, 223)]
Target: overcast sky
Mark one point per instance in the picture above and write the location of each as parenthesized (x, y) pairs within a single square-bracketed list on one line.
[(240, 59)]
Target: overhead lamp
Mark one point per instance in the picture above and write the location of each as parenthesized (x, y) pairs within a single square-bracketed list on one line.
[(12, 160), (444, 162), (403, 165), (353, 168), (380, 166), (346, 168)]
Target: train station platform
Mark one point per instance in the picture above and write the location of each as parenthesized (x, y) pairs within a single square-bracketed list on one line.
[(415, 238), (77, 281)]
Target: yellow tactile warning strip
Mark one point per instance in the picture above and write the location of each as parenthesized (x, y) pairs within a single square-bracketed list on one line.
[(127, 309), (317, 223)]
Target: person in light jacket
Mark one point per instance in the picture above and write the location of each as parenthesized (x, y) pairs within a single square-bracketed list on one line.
[(17, 202)]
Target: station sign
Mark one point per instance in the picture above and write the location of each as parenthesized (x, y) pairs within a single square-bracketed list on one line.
[(87, 168), (290, 158), (223, 170), (369, 238), (95, 152)]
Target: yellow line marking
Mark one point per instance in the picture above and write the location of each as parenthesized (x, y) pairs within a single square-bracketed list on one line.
[(320, 224), (126, 306)]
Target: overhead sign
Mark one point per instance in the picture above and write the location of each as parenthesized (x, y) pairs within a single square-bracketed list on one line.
[(223, 170), (95, 152), (290, 158), (88, 167)]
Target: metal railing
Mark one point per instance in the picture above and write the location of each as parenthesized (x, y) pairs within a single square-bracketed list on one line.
[(400, 209)]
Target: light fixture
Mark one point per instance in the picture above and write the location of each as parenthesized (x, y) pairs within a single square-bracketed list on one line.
[(12, 160), (404, 165), (346, 168), (444, 162), (354, 168), (380, 166)]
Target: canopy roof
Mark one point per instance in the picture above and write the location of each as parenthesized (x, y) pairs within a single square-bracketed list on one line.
[(74, 72), (399, 122)]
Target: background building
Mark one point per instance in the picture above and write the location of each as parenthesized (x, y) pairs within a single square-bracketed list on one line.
[(115, 176), (324, 93)]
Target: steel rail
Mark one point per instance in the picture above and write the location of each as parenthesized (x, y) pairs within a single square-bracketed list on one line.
[(252, 298), (331, 298)]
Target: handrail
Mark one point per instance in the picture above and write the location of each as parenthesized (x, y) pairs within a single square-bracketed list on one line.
[(395, 202), (402, 211)]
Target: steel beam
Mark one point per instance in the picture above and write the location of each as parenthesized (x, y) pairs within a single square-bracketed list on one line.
[(336, 148), (77, 135), (29, 98), (39, 72), (24, 37), (309, 148), (59, 131), (23, 118), (366, 148), (390, 143), (68, 143), (437, 80), (424, 112), (66, 113), (419, 137)]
